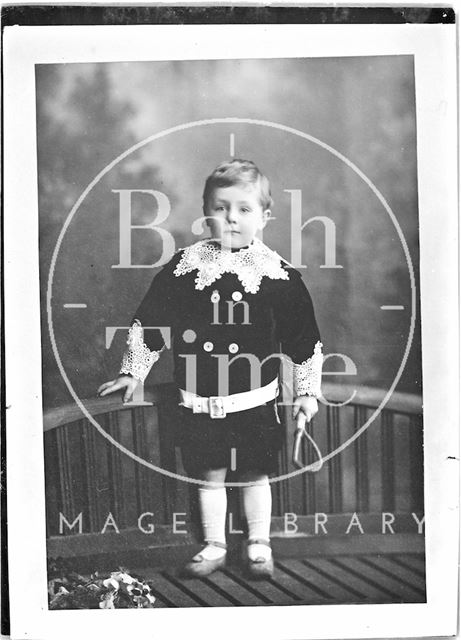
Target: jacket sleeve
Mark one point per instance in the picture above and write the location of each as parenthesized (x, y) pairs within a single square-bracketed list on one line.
[(299, 335), (150, 326)]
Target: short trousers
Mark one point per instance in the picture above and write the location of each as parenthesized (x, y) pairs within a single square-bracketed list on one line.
[(256, 436)]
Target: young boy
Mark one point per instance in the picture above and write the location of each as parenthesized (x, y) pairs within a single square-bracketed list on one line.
[(230, 303)]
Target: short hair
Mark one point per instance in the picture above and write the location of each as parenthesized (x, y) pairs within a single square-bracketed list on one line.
[(239, 172)]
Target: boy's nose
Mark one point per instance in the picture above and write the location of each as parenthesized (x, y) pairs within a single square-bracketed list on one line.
[(231, 214)]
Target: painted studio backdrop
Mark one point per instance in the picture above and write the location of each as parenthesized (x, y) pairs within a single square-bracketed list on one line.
[(337, 139)]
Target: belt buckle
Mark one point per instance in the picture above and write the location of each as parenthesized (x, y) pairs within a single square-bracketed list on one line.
[(216, 407)]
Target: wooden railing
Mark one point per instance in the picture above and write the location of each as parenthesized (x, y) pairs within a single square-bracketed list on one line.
[(379, 471)]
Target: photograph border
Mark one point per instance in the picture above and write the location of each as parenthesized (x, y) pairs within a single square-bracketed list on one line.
[(434, 51)]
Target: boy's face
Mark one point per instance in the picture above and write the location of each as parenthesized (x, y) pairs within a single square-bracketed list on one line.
[(235, 215)]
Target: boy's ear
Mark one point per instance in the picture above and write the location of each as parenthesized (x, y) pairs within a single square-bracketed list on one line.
[(265, 217), (207, 218)]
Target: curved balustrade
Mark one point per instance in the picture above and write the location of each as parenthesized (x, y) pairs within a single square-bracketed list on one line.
[(381, 469), (405, 403)]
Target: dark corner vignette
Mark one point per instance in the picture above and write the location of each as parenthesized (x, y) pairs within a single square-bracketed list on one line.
[(4, 592), (100, 15)]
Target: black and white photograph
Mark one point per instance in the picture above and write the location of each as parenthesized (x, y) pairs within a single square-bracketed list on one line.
[(240, 307)]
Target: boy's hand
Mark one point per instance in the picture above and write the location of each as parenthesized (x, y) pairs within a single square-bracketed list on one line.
[(122, 382), (304, 409)]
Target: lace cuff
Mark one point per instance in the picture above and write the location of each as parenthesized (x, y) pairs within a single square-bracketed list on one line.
[(138, 358), (307, 376)]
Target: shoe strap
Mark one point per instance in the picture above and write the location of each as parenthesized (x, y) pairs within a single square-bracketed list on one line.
[(216, 543), (259, 541), (260, 560)]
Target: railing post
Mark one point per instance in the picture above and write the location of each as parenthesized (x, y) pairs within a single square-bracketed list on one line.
[(416, 463), (361, 462), (115, 470), (387, 461), (335, 484), (53, 494), (91, 480), (167, 412), (142, 476), (67, 495)]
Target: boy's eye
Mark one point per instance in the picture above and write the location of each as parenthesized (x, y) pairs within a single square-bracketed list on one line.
[(245, 210)]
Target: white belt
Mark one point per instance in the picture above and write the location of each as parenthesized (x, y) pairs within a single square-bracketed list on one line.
[(220, 406)]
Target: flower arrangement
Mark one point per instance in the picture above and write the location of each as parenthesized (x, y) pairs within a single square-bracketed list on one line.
[(116, 590)]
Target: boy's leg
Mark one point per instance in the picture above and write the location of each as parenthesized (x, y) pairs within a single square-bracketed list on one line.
[(257, 505), (213, 508)]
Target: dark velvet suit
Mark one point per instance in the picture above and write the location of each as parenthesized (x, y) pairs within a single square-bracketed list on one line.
[(216, 332)]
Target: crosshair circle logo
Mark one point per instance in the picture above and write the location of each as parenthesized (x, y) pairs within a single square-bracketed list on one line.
[(216, 121)]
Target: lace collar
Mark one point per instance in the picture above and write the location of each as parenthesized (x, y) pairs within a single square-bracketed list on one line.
[(250, 264)]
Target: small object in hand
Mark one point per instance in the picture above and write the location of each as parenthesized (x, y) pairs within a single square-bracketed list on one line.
[(296, 456)]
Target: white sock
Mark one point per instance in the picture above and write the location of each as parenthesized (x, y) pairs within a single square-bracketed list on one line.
[(257, 505), (213, 508)]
